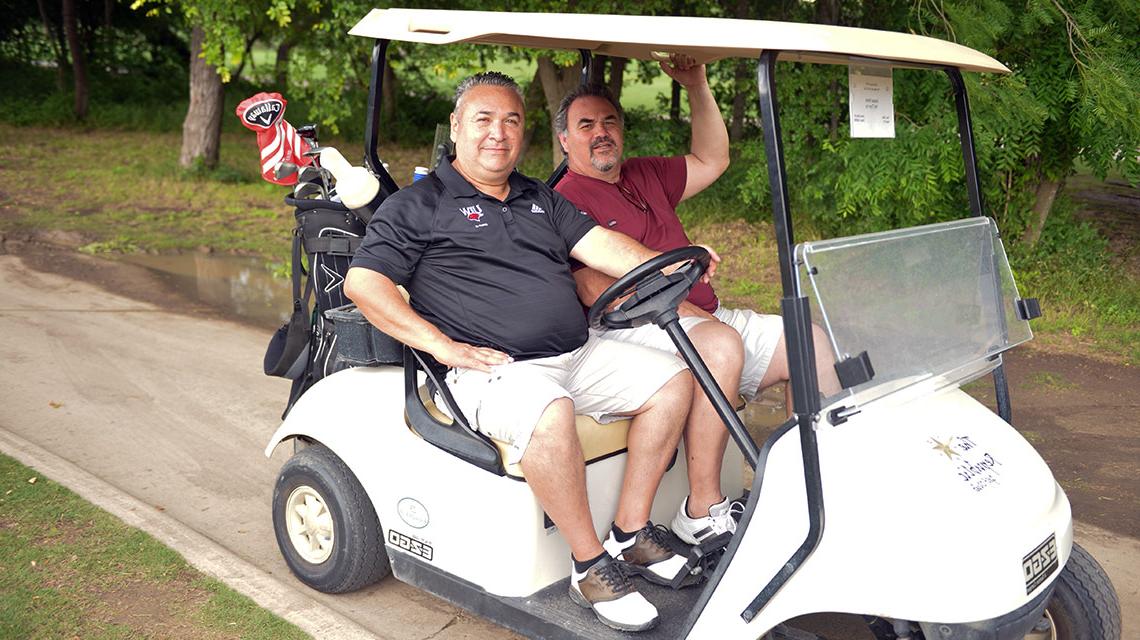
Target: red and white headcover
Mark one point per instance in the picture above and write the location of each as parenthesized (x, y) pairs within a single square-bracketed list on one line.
[(278, 140)]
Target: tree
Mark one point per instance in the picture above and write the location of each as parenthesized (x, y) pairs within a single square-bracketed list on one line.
[(202, 128), (1079, 67), (78, 58), (221, 36)]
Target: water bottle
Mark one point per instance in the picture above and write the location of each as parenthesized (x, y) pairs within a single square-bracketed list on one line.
[(419, 174)]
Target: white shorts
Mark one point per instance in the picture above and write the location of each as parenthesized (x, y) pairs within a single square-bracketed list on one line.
[(760, 333), (604, 378)]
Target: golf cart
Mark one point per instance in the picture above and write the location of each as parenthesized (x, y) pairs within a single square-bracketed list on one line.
[(942, 522)]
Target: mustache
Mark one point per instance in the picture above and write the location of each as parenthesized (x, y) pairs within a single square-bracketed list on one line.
[(597, 142)]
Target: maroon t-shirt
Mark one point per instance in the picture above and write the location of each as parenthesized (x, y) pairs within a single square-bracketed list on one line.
[(642, 205)]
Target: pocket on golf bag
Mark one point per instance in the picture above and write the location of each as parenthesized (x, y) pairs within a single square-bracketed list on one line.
[(331, 236), (288, 350)]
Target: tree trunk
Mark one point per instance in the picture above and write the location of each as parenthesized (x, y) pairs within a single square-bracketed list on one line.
[(78, 58), (598, 70), (245, 55), (740, 82), (202, 128), (675, 102), (617, 76), (533, 100), (836, 107), (55, 40), (388, 93), (281, 65), (740, 78), (556, 82), (1042, 205), (108, 10)]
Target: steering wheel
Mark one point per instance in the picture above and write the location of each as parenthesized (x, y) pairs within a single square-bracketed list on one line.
[(655, 296)]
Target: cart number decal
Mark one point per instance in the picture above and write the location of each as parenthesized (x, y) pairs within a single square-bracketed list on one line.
[(1040, 564), (421, 549)]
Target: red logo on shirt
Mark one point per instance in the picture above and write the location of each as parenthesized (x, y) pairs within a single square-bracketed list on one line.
[(474, 213)]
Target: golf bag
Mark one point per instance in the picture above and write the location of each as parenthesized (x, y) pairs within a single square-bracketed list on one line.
[(327, 235)]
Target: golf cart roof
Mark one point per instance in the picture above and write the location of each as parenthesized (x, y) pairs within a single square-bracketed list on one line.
[(654, 37)]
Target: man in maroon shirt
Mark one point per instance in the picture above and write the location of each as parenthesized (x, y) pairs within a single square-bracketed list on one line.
[(744, 350)]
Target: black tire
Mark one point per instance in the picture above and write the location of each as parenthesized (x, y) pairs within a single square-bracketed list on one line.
[(355, 556), (1084, 604)]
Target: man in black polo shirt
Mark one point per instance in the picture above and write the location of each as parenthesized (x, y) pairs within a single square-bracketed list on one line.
[(484, 253)]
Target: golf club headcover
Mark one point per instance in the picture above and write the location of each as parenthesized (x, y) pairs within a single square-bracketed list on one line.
[(264, 113)]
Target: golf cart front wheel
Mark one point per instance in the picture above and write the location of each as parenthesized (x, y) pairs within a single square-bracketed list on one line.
[(325, 525), (1084, 605)]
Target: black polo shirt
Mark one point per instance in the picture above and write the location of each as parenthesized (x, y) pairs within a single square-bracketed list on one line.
[(485, 272)]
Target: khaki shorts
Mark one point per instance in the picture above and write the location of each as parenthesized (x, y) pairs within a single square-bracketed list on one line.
[(604, 378), (760, 333)]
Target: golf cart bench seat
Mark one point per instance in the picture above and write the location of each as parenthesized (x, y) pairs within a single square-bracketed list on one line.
[(599, 441)]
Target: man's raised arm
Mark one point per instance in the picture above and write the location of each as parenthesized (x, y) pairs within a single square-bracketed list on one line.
[(708, 152)]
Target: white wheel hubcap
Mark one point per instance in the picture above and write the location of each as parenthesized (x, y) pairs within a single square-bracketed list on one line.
[(309, 524), (1044, 631)]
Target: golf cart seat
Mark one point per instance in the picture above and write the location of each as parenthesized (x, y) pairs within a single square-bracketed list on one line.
[(599, 441)]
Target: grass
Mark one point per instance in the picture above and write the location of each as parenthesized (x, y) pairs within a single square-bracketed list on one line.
[(123, 191), (70, 570)]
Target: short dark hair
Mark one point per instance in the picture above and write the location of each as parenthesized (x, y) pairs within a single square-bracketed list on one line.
[(582, 91), (487, 78)]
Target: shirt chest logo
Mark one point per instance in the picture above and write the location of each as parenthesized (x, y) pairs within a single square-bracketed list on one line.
[(474, 213), (534, 208)]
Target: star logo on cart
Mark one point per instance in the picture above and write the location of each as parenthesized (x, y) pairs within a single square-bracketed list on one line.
[(945, 448), (335, 279), (474, 213)]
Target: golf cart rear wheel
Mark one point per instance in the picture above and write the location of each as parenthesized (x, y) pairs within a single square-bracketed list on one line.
[(325, 525), (1084, 604)]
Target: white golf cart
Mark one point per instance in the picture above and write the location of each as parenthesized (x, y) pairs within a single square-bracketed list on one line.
[(942, 522)]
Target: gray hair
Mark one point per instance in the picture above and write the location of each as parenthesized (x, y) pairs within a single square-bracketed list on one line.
[(488, 79), (582, 91)]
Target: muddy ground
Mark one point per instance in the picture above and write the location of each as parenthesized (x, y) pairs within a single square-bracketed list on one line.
[(1078, 409)]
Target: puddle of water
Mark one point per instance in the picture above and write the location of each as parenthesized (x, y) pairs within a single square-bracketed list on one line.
[(237, 285)]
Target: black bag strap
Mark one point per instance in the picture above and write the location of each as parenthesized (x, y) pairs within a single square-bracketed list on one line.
[(344, 245)]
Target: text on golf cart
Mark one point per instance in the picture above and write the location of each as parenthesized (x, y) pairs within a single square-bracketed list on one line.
[(421, 549)]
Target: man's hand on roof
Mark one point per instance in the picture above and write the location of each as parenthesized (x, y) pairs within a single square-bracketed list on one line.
[(684, 70)]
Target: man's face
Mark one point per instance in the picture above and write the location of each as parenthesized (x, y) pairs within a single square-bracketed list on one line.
[(593, 138), (487, 131)]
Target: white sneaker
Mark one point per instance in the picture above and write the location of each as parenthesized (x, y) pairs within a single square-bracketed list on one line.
[(606, 588), (647, 554), (696, 530)]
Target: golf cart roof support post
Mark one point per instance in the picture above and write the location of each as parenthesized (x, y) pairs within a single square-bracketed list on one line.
[(797, 330), (778, 184), (708, 383), (977, 208), (586, 58), (372, 121), (797, 336), (966, 137), (583, 80)]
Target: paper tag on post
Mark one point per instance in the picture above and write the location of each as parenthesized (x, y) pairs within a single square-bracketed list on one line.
[(872, 101)]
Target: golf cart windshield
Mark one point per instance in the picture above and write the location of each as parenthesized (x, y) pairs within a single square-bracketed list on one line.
[(934, 304)]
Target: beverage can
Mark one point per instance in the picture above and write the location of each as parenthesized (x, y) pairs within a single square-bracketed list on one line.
[(419, 174)]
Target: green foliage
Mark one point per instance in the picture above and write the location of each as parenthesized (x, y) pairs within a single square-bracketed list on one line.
[(1076, 278)]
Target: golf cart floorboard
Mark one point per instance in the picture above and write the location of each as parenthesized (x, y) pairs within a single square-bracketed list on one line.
[(550, 614)]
